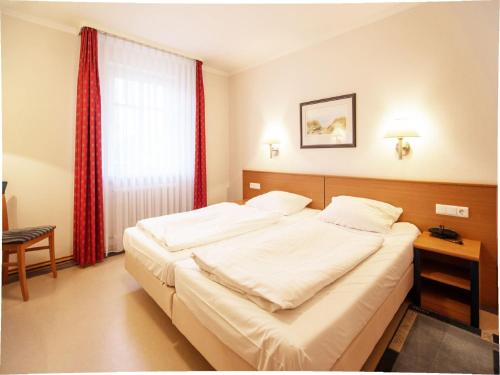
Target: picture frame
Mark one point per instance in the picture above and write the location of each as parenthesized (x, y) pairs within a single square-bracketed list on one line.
[(329, 122)]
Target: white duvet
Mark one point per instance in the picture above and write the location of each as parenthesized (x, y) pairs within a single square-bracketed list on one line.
[(284, 271), (314, 335), (206, 225)]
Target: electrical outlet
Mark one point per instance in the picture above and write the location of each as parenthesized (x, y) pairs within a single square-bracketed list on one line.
[(448, 210), (254, 185), (462, 211)]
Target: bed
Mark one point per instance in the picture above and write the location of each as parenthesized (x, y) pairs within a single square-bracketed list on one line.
[(360, 305)]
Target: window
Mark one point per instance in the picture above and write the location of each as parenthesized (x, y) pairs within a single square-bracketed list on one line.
[(148, 133)]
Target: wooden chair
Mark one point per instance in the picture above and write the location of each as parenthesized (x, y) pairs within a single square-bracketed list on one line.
[(19, 241)]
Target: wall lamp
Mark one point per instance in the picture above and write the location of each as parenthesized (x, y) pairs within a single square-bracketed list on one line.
[(401, 131), (274, 149)]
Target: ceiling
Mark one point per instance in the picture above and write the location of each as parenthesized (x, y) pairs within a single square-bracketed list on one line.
[(229, 38)]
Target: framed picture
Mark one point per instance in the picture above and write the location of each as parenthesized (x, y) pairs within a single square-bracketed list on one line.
[(329, 122)]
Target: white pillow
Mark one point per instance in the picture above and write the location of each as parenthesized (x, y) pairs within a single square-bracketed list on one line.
[(361, 213), (279, 201)]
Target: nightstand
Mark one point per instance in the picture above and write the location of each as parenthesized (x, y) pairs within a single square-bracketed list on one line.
[(446, 278)]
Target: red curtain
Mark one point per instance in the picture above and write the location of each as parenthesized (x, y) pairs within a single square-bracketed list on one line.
[(88, 227), (200, 169)]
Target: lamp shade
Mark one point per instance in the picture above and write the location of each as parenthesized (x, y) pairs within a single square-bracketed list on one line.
[(272, 141), (401, 133), (401, 128)]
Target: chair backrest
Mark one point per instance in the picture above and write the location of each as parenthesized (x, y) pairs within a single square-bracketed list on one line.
[(5, 216)]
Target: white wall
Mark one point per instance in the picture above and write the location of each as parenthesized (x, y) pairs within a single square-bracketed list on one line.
[(436, 63), (217, 135), (40, 68)]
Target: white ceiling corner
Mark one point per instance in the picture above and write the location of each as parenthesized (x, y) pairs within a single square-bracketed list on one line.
[(229, 38)]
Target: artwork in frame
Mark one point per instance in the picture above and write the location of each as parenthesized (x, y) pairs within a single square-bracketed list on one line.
[(329, 122)]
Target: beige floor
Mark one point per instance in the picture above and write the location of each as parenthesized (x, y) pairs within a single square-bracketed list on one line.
[(97, 319), (91, 319)]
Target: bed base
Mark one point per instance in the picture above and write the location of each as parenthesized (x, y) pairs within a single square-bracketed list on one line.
[(221, 357), (161, 293)]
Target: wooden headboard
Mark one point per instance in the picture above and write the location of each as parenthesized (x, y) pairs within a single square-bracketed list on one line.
[(308, 185), (418, 200)]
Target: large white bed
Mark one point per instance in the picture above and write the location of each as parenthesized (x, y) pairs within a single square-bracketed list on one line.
[(345, 327), (314, 336), (337, 329)]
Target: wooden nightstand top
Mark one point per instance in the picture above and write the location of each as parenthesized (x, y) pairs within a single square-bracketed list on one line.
[(240, 201), (470, 250)]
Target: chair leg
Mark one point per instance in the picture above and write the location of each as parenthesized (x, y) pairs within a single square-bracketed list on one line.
[(21, 265), (5, 267), (52, 254)]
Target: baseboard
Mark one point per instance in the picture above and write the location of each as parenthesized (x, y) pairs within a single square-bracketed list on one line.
[(34, 266), (40, 268)]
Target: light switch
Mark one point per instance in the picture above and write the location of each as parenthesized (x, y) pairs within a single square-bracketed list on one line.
[(441, 209), (254, 185)]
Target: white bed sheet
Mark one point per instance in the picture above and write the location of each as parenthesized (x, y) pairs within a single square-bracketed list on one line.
[(312, 336), (161, 262)]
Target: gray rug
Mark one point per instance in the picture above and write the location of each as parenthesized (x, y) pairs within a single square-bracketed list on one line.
[(425, 344)]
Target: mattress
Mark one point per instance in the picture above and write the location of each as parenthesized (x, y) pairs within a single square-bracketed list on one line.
[(161, 262), (312, 336)]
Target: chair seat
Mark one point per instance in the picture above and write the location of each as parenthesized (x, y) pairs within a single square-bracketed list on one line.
[(22, 235)]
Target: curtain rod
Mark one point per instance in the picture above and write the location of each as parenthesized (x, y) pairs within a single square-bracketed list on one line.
[(129, 39)]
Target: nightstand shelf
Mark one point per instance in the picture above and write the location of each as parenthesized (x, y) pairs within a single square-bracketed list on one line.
[(442, 273), (446, 278)]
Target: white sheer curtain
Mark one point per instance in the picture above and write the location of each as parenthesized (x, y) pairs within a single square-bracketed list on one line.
[(148, 133)]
